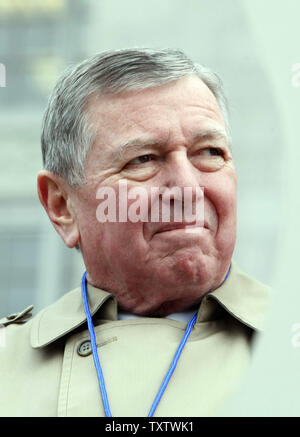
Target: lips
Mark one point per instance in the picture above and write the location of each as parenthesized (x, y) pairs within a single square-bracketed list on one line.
[(178, 226)]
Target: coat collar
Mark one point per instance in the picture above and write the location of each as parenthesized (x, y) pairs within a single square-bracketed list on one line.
[(67, 314), (242, 297)]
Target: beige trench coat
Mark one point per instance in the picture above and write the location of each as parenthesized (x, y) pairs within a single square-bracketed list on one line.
[(47, 368)]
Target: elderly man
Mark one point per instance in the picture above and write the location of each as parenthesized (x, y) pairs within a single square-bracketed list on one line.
[(163, 321)]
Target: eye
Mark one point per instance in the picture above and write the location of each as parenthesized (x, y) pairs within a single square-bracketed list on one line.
[(209, 158), (212, 151), (141, 160)]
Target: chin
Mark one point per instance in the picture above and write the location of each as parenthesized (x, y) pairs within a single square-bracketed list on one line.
[(194, 268), (191, 276)]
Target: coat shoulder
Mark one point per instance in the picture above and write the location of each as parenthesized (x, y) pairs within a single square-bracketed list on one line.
[(17, 318), (14, 335)]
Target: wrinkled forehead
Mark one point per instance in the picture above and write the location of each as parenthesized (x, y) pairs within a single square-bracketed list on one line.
[(158, 111)]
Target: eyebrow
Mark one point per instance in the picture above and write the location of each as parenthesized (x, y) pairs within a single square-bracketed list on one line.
[(211, 133), (135, 145), (139, 143)]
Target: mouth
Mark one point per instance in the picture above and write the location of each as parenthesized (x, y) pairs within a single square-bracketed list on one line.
[(187, 227)]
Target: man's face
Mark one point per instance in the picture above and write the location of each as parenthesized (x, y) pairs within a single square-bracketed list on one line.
[(169, 136)]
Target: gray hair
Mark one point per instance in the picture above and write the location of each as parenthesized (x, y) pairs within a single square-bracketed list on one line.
[(67, 131)]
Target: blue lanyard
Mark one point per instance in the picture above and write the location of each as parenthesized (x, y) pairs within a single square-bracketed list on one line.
[(97, 361)]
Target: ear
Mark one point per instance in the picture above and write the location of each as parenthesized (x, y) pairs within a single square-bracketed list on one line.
[(54, 195)]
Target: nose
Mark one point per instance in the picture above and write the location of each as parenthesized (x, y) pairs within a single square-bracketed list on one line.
[(183, 180), (180, 172)]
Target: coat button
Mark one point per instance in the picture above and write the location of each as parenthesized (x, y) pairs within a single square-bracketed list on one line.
[(85, 348)]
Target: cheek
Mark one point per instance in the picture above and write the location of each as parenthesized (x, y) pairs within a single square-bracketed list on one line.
[(89, 227), (226, 203), (224, 192), (221, 192)]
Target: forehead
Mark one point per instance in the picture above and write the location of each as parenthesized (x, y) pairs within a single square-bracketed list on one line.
[(169, 111)]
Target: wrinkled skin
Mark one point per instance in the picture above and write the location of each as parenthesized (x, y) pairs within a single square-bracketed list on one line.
[(179, 140)]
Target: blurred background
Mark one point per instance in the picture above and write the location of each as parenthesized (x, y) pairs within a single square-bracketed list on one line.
[(254, 47)]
